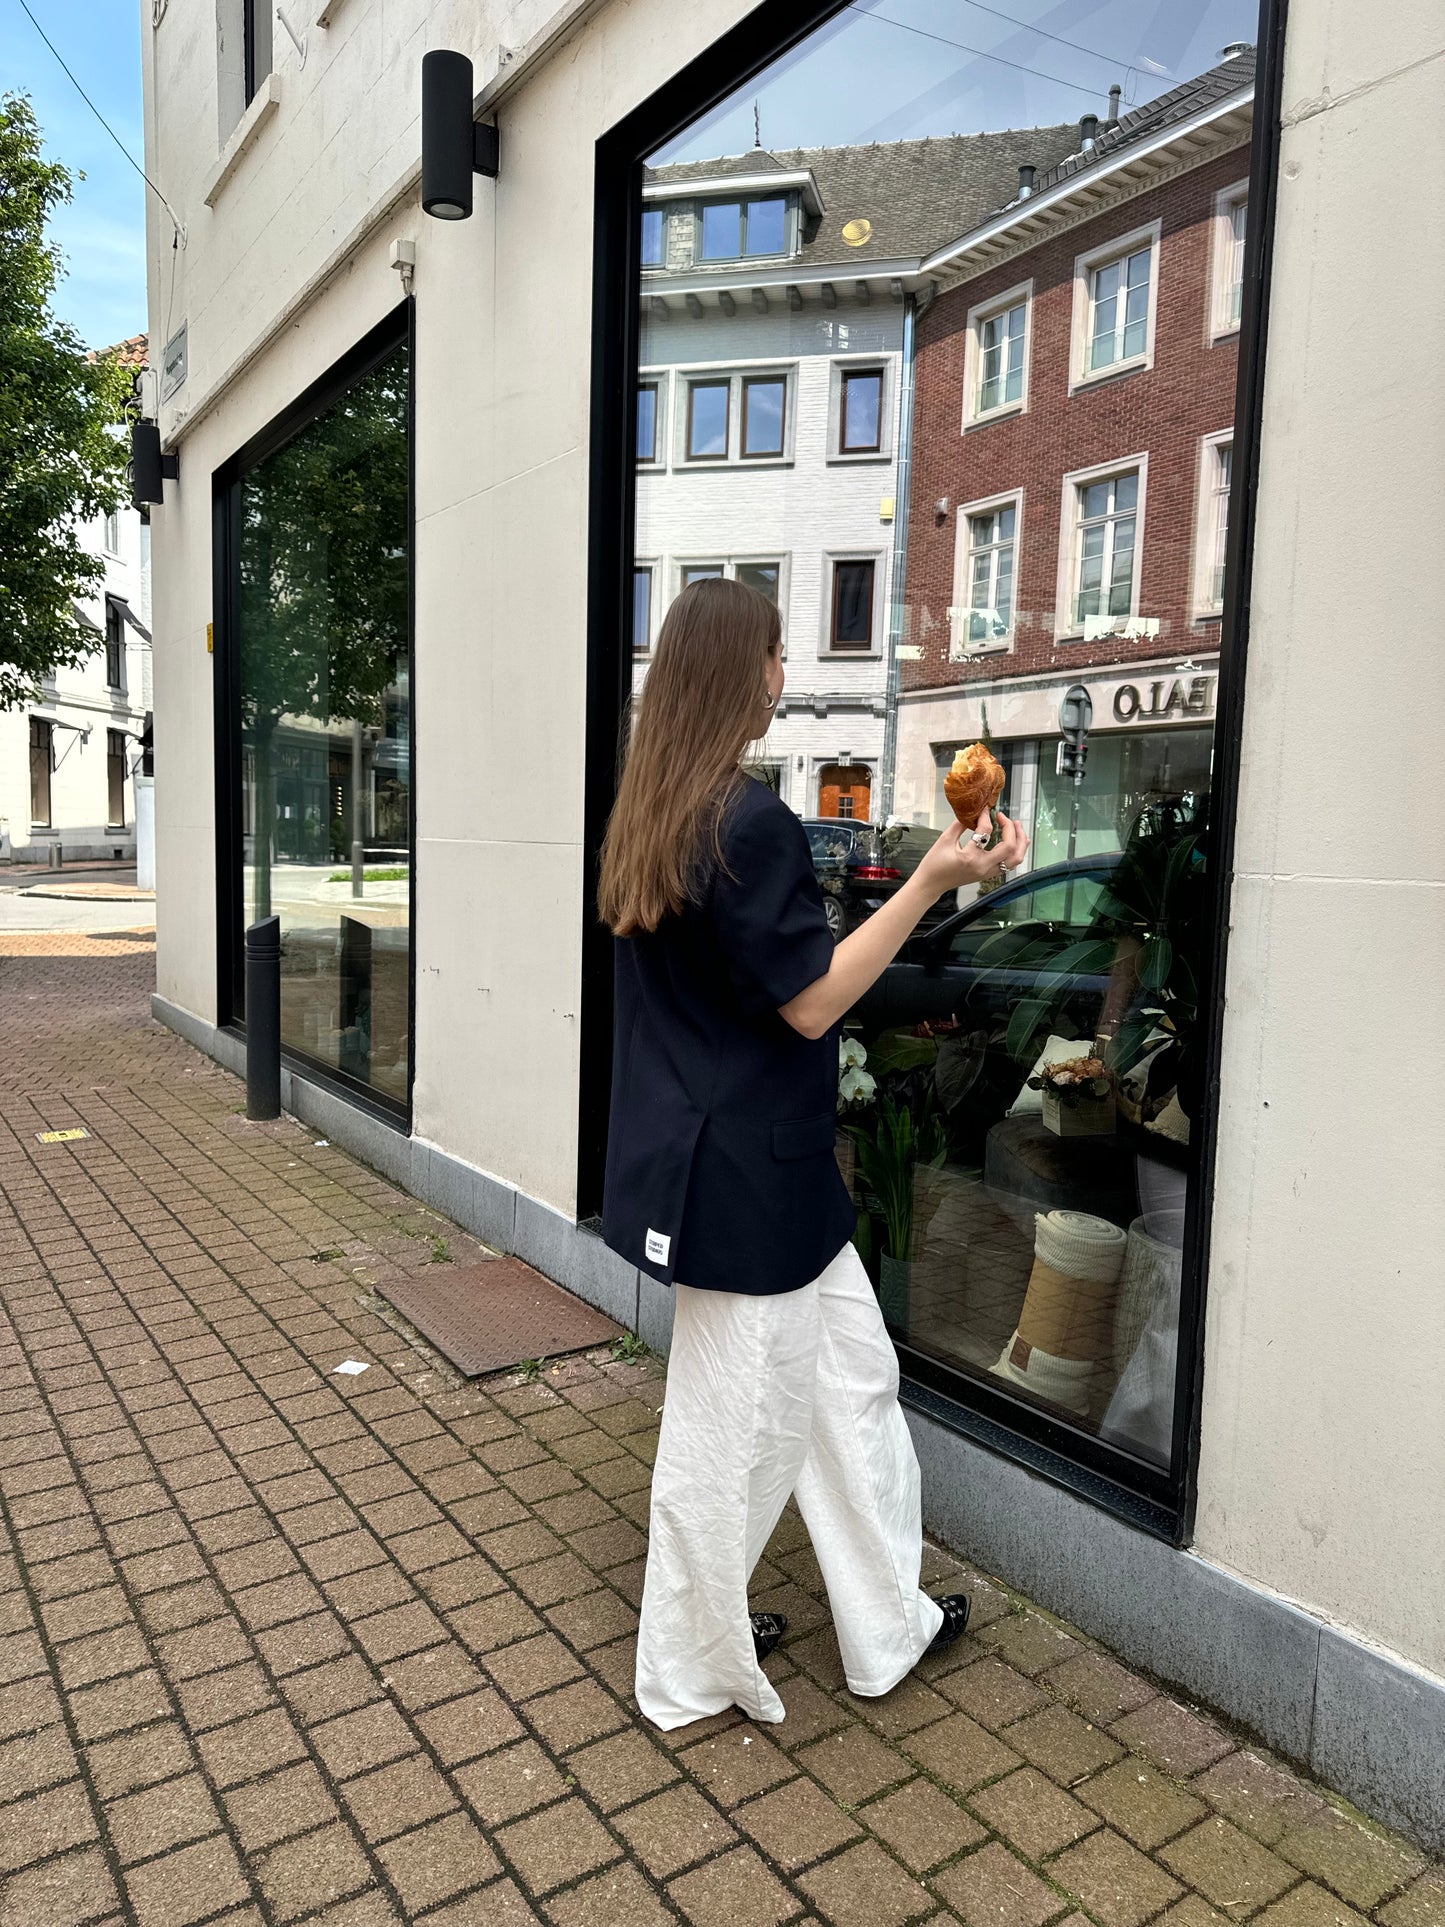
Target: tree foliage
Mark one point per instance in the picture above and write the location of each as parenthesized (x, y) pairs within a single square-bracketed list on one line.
[(61, 460)]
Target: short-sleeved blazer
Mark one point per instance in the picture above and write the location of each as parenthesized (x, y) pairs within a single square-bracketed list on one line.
[(720, 1164)]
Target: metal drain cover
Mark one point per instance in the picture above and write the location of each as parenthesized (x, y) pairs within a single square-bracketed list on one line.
[(488, 1316)]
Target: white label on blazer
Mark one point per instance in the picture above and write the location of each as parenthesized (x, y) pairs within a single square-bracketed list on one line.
[(657, 1246)]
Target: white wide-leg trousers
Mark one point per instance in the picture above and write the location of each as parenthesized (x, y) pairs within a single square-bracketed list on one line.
[(767, 1396)]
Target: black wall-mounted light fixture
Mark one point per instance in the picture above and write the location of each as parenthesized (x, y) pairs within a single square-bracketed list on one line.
[(454, 147), (148, 466)]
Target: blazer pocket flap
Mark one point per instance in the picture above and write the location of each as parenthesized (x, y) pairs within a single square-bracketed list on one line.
[(805, 1137)]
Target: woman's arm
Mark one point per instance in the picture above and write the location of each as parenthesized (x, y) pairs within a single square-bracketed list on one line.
[(861, 959)]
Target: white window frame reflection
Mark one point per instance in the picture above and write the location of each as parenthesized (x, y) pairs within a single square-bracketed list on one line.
[(714, 374), (1231, 230), (887, 367), (659, 380), (654, 575), (1086, 268), (730, 566), (1068, 627), (854, 652), (962, 646), (1211, 522), (742, 202), (996, 307)]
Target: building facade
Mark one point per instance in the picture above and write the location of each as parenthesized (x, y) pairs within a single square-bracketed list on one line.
[(69, 761), (410, 520)]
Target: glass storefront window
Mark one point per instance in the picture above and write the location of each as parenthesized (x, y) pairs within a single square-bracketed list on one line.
[(323, 685), (1000, 472)]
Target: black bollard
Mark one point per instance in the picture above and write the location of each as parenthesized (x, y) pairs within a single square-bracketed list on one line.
[(263, 1018)]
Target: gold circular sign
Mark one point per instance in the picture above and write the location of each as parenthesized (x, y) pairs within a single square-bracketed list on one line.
[(857, 233)]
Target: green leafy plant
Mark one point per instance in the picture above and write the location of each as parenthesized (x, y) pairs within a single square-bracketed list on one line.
[(629, 1349), (62, 457), (529, 1370), (441, 1251), (891, 1156), (394, 874)]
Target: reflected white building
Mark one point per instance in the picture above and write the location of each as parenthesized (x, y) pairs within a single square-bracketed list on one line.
[(772, 414)]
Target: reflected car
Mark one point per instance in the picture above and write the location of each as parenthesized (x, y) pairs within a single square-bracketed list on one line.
[(976, 964), (859, 866)]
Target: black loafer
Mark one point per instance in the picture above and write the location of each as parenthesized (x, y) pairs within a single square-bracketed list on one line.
[(956, 1608), (768, 1629)]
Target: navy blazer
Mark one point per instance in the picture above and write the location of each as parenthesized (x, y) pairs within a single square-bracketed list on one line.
[(720, 1164)]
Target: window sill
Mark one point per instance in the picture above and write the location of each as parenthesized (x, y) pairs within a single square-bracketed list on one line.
[(850, 655), (1006, 414), (970, 653), (244, 137), (856, 458), (1227, 333), (1116, 373), (702, 463)]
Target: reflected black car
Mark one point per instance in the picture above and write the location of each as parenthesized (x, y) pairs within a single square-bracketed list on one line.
[(976, 964), (860, 866)]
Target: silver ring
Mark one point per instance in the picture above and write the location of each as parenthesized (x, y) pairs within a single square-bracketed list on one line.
[(979, 837)]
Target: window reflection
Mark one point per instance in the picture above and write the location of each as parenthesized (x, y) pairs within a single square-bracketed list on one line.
[(324, 649), (974, 489)]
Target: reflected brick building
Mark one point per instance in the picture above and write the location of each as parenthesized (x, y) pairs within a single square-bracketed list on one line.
[(1074, 391)]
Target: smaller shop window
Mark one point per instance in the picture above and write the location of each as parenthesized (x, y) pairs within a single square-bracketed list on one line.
[(708, 412), (984, 596), (1231, 221), (762, 576), (1216, 471), (852, 623), (1001, 359)]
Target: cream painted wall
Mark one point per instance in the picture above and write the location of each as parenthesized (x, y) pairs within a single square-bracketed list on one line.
[(503, 410), (1324, 1419), (1324, 1396)]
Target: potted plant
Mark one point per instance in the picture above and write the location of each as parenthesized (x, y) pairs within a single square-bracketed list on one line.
[(897, 1160)]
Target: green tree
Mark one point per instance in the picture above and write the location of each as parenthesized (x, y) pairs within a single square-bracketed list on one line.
[(323, 602), (61, 461)]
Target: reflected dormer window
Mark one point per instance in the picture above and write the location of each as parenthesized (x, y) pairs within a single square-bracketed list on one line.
[(741, 230)]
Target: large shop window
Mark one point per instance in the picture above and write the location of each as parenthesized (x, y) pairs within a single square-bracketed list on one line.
[(316, 537), (1039, 325)]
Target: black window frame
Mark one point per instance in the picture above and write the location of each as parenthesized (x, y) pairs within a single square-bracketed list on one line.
[(869, 644), (42, 737), (709, 381), (743, 203), (259, 52), (778, 454), (650, 458), (845, 447), (395, 330), (114, 645), (1161, 1503), (115, 754)]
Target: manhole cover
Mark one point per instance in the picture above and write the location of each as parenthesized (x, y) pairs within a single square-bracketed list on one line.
[(488, 1316)]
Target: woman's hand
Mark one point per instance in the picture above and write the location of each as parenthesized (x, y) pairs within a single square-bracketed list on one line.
[(958, 857)]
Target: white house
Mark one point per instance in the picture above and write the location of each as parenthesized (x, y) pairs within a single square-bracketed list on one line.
[(68, 761)]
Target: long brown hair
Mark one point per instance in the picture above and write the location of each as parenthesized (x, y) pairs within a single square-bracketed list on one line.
[(702, 704)]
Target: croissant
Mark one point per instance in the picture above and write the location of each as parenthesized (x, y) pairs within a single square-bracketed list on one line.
[(975, 783)]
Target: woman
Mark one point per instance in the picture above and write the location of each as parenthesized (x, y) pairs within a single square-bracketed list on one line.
[(721, 1179)]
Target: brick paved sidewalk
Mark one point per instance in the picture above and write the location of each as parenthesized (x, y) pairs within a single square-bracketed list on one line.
[(285, 1646)]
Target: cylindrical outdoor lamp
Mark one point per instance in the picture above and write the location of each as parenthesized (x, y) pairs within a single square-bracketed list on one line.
[(454, 147)]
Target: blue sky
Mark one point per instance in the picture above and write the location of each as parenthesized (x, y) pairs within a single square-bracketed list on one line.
[(101, 233), (887, 70)]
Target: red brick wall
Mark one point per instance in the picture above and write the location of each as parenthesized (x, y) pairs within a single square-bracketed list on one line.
[(1164, 409)]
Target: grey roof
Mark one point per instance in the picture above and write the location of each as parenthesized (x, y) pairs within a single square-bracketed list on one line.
[(1179, 104), (914, 192), (919, 194)]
